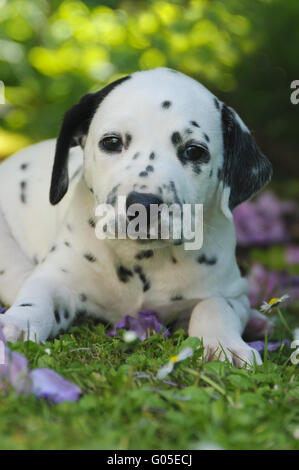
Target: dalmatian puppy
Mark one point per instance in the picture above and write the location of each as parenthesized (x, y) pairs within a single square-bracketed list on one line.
[(155, 136)]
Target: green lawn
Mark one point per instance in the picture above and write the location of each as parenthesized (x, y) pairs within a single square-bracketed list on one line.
[(211, 402)]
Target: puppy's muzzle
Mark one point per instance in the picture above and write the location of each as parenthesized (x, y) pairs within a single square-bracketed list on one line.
[(145, 201)]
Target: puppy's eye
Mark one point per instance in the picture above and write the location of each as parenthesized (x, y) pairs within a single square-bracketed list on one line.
[(111, 143), (196, 152)]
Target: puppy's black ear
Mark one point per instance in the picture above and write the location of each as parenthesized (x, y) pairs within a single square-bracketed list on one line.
[(73, 131), (245, 167)]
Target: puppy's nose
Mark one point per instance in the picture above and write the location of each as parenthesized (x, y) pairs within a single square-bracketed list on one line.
[(146, 199)]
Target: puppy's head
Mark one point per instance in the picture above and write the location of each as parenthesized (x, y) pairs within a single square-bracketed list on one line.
[(157, 137)]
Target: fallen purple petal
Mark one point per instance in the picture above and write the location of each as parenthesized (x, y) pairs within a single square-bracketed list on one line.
[(44, 383), (48, 384), (272, 345), (14, 371), (144, 326)]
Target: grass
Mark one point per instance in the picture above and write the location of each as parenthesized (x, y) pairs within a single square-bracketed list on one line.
[(211, 402)]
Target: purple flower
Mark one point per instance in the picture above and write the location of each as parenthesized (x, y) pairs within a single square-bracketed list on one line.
[(2, 309), (144, 326), (272, 346), (44, 383), (48, 384), (263, 284), (292, 254), (262, 222), (14, 371)]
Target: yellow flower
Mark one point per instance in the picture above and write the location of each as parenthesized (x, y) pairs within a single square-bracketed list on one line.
[(174, 358), (266, 307)]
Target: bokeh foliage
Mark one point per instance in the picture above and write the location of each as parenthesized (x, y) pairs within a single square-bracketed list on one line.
[(246, 51)]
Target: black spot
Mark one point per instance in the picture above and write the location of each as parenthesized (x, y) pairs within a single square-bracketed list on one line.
[(189, 131), (144, 254), (142, 277), (174, 192), (83, 297), (202, 259), (26, 305), (217, 104), (67, 244), (64, 270), (92, 222), (124, 274), (149, 168), (211, 174), (53, 248), (207, 137), (152, 156), (57, 316), (66, 315), (160, 190), (23, 185), (166, 104), (90, 257), (128, 140), (136, 155), (176, 138), (178, 242), (105, 228), (176, 297), (111, 198), (24, 166), (194, 123), (173, 259), (143, 174), (230, 304)]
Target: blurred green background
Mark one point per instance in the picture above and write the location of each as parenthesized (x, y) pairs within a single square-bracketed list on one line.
[(245, 51)]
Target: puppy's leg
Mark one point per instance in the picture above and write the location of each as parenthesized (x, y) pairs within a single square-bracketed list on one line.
[(220, 323), (47, 303), (15, 267)]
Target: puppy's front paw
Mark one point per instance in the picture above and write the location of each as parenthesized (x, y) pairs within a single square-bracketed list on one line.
[(237, 353), (11, 332), (17, 329)]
